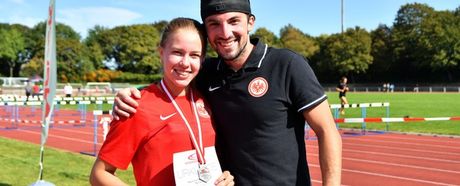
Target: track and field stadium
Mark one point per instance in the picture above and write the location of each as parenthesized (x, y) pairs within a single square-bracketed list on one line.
[(384, 143)]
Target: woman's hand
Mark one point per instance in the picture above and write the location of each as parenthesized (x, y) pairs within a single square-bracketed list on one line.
[(226, 179)]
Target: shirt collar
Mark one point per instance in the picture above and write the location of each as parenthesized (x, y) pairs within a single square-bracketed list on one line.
[(254, 60)]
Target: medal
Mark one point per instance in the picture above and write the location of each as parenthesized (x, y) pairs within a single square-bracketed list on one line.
[(203, 173)]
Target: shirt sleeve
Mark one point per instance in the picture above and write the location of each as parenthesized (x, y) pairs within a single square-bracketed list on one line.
[(123, 140), (305, 91)]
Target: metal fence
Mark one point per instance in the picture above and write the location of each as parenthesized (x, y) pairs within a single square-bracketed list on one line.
[(400, 88)]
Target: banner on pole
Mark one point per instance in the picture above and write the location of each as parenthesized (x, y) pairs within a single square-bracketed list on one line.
[(49, 84)]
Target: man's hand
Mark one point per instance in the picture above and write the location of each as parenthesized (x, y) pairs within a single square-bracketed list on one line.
[(125, 104)]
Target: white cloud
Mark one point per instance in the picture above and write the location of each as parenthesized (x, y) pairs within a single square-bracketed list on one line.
[(82, 19), (28, 21), (17, 1)]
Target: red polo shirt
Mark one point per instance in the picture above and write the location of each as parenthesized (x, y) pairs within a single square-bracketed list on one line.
[(149, 138)]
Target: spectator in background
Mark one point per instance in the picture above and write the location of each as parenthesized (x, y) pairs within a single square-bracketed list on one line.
[(79, 90), (416, 89), (68, 90), (28, 90), (35, 90), (105, 122)]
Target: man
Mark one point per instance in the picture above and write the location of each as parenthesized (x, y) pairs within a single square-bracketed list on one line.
[(260, 98), (342, 88), (28, 89), (68, 90)]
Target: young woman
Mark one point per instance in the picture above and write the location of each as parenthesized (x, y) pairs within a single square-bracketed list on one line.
[(178, 122)]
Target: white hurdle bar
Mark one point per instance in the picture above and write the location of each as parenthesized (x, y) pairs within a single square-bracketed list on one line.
[(363, 106)]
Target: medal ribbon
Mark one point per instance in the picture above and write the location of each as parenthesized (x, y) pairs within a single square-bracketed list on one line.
[(198, 147)]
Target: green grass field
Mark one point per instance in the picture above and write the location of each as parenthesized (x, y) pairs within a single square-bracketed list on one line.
[(20, 165), (406, 105), (19, 160), (89, 107)]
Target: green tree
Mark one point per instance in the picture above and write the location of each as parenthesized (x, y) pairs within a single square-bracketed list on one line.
[(348, 54), (160, 25), (381, 52), (321, 63), (132, 48), (267, 37), (443, 39), (294, 39), (93, 45), (71, 55), (12, 44), (412, 45)]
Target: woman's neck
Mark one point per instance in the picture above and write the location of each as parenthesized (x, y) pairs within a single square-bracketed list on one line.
[(174, 90)]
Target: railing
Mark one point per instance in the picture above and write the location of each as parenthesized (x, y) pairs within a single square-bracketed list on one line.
[(426, 89)]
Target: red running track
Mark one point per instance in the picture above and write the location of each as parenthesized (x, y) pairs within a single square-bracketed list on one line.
[(379, 159), (394, 159)]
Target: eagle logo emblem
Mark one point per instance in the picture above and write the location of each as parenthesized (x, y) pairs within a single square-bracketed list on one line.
[(258, 87), (200, 108)]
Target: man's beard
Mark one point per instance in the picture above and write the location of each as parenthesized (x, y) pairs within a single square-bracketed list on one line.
[(233, 58)]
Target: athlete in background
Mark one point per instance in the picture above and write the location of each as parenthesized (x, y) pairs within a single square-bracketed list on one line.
[(342, 88)]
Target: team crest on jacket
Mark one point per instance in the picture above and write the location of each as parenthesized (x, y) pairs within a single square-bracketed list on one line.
[(200, 108), (258, 87)]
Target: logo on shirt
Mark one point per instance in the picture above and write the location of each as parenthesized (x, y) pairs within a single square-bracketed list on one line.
[(200, 108), (167, 117), (258, 87), (213, 88)]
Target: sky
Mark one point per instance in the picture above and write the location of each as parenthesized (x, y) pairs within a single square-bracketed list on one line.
[(313, 17)]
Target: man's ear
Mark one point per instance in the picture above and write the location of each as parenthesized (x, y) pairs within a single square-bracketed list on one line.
[(251, 22)]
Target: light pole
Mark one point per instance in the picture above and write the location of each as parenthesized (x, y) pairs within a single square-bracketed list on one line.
[(341, 16)]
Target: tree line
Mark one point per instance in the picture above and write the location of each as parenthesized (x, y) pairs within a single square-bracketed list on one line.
[(422, 45)]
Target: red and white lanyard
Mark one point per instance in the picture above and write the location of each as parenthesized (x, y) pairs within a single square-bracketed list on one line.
[(198, 147)]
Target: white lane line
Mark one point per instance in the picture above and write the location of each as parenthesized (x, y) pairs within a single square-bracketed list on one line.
[(395, 164), (402, 165), (404, 143), (71, 131), (404, 156), (77, 131), (391, 176), (395, 155), (61, 137), (440, 139), (405, 149)]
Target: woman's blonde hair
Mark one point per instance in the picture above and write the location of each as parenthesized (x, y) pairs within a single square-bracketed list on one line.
[(181, 23)]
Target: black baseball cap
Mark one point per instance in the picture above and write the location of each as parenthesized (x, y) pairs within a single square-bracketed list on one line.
[(211, 7)]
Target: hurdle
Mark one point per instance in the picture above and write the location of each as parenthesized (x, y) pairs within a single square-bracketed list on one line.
[(363, 106), (11, 107), (13, 115), (395, 120), (96, 114)]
